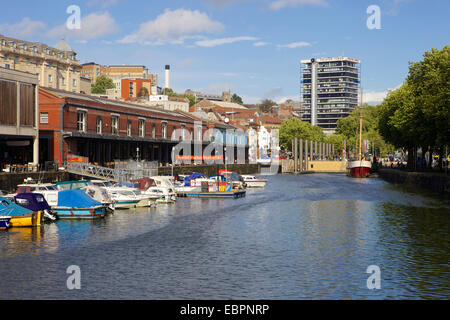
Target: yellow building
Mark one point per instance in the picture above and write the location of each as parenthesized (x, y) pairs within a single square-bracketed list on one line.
[(57, 67), (117, 72)]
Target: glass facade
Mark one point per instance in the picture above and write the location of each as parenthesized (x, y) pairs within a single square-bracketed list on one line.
[(334, 93)]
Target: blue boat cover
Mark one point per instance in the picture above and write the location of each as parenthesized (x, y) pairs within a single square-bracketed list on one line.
[(76, 199), (32, 201), (8, 208), (195, 175)]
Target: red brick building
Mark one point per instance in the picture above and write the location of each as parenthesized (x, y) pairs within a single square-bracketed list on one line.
[(130, 88), (106, 130)]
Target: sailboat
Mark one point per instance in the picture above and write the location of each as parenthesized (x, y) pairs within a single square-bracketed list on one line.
[(360, 168)]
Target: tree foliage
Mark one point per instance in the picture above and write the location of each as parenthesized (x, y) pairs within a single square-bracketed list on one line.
[(190, 97), (266, 105), (295, 128), (236, 99), (417, 115), (102, 84), (348, 127)]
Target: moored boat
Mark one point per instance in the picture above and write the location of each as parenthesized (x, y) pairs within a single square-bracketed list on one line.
[(359, 168), (20, 216), (4, 222), (48, 190), (254, 182), (125, 198), (76, 204), (36, 202), (101, 195)]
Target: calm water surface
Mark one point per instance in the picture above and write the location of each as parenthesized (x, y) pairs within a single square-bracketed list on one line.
[(304, 237)]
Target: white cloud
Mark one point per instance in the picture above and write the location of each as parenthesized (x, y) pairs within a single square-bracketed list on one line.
[(228, 74), (280, 100), (375, 97), (23, 29), (295, 45), (93, 26), (221, 41), (280, 4), (260, 44), (174, 27)]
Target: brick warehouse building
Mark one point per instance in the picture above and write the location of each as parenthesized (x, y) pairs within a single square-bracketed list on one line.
[(106, 130)]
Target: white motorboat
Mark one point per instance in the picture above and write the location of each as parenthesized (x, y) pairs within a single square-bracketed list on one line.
[(164, 189), (101, 195), (254, 182), (48, 190), (162, 194), (123, 198)]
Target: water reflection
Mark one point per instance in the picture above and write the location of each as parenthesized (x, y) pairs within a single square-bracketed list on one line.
[(309, 236)]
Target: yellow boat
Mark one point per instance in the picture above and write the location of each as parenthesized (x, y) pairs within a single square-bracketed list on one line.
[(20, 216), (27, 220)]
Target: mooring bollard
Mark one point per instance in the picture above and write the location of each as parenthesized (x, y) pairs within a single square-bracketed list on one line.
[(306, 154), (295, 154), (301, 155)]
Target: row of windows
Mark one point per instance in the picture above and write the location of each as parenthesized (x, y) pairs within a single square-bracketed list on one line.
[(115, 125), (63, 80), (34, 49)]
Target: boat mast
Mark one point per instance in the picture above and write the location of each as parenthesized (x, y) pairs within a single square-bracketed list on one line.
[(360, 127)]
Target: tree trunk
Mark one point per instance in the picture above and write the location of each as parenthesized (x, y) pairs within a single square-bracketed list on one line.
[(441, 157), (430, 158), (411, 160)]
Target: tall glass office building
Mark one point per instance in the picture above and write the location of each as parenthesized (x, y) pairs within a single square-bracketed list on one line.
[(330, 90)]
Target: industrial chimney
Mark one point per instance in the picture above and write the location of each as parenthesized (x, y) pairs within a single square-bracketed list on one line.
[(167, 79)]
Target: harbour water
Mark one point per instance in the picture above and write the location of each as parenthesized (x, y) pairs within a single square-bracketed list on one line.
[(302, 237)]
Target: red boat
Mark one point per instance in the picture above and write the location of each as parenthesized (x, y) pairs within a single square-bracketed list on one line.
[(359, 168)]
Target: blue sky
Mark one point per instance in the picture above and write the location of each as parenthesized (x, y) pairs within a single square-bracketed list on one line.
[(252, 47)]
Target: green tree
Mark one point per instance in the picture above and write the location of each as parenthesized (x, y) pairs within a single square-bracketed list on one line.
[(143, 92), (190, 97), (102, 84), (266, 105), (348, 127), (236, 99), (337, 140), (429, 81), (295, 128)]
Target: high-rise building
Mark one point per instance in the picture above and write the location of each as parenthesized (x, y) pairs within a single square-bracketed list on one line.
[(330, 90)]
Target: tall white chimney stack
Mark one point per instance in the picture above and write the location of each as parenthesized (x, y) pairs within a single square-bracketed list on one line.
[(167, 77)]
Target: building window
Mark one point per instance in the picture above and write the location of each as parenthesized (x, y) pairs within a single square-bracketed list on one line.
[(199, 133), (81, 121), (164, 130), (6, 57), (63, 81), (129, 128), (153, 131), (115, 125), (141, 128), (44, 117), (99, 125), (74, 82), (183, 131), (50, 78)]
